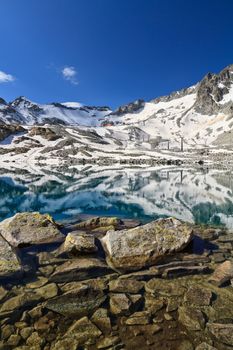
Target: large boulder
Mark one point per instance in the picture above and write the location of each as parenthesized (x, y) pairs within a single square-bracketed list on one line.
[(30, 228), (9, 264), (144, 245)]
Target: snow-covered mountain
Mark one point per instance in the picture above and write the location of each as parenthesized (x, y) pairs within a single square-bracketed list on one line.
[(199, 116), (25, 112)]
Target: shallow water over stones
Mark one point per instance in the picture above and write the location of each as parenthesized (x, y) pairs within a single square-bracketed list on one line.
[(78, 302)]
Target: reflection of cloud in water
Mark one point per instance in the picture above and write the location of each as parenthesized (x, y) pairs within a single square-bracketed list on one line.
[(190, 195)]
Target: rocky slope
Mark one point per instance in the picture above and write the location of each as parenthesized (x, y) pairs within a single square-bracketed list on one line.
[(202, 114), (191, 120), (25, 112)]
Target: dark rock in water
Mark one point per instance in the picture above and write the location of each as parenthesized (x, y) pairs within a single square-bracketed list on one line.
[(221, 332), (78, 302), (9, 263), (222, 274), (80, 269), (144, 245), (30, 228)]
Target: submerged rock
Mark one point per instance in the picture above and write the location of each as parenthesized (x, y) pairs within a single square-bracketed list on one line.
[(145, 245), (9, 264), (78, 302), (30, 228)]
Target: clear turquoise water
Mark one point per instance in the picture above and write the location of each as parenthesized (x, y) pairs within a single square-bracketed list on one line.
[(194, 195)]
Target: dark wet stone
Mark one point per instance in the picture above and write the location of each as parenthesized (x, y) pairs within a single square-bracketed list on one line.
[(78, 302)]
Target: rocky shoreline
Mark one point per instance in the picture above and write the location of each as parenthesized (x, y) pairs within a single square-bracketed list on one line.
[(104, 283)]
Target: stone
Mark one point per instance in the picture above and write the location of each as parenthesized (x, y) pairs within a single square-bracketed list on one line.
[(210, 234), (198, 296), (191, 318), (218, 257), (153, 304), (119, 304), (185, 345), (48, 291), (46, 270), (41, 281), (222, 332), (6, 331), (77, 242), (43, 324), (222, 274), (30, 228), (14, 340), (99, 222), (139, 318), (20, 301), (164, 287), (205, 346), (65, 344), (126, 286), (9, 263), (36, 312), (3, 293), (79, 269), (108, 342), (145, 245), (84, 331), (26, 332), (101, 320), (78, 302), (20, 324), (172, 305), (177, 271), (167, 316), (35, 339)]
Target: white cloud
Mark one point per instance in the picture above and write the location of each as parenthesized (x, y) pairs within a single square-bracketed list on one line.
[(69, 73), (6, 78)]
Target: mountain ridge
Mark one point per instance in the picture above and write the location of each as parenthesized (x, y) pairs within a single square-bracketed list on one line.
[(201, 114)]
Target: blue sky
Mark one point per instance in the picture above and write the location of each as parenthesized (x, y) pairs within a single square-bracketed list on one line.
[(110, 52)]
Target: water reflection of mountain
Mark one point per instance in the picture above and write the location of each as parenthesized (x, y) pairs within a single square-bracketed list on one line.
[(189, 194)]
